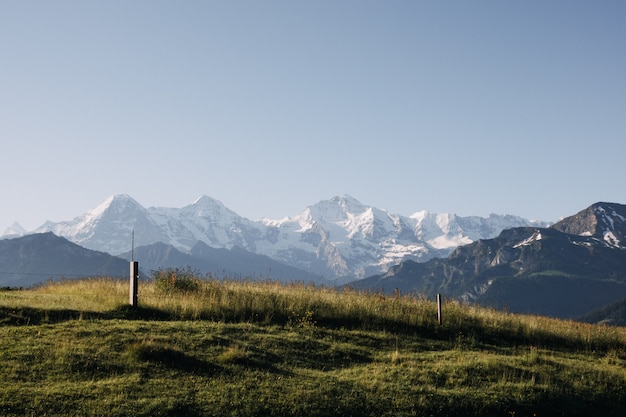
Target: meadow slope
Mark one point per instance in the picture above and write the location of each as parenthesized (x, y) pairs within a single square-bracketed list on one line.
[(205, 347)]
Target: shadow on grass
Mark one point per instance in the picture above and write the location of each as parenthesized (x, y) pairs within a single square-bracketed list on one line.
[(128, 312), (172, 358), (471, 333), (24, 316)]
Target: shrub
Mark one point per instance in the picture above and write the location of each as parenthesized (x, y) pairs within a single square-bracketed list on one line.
[(170, 280)]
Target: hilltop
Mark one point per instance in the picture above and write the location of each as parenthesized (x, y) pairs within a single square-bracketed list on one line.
[(204, 347)]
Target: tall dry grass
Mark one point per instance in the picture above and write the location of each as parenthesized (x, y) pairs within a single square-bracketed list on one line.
[(270, 302)]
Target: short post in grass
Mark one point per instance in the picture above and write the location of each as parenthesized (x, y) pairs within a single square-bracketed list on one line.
[(439, 316), (134, 281)]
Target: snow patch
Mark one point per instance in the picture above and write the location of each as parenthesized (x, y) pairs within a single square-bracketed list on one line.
[(535, 237), (611, 239), (619, 216)]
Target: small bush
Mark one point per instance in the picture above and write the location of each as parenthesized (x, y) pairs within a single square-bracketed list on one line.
[(302, 322), (171, 280)]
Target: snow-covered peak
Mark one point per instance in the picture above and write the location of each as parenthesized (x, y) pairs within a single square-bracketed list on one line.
[(118, 203), (209, 209), (206, 201), (346, 217), (447, 230), (337, 209), (326, 213), (604, 221), (419, 215), (535, 237), (443, 221), (348, 203), (15, 230), (206, 220), (118, 206), (108, 226)]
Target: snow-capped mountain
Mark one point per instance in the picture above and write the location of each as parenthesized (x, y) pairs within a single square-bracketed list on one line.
[(340, 237), (566, 270), (605, 221), (359, 240), (15, 230), (206, 220), (108, 227)]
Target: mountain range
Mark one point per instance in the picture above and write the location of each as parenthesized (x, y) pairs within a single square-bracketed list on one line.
[(575, 268), (335, 239), (567, 270)]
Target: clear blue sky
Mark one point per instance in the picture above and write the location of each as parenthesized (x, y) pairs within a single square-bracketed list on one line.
[(467, 107)]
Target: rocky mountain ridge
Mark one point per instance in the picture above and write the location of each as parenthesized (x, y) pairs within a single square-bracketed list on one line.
[(566, 270)]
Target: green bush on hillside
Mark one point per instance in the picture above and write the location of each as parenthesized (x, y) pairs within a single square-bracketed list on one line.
[(171, 280)]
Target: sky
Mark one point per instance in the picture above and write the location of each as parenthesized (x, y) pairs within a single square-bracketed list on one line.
[(272, 106)]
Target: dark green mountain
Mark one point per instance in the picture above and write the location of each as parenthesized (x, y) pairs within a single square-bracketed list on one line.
[(613, 314), (31, 259), (36, 258), (233, 263), (575, 266)]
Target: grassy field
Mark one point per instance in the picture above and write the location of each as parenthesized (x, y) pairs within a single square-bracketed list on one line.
[(224, 348)]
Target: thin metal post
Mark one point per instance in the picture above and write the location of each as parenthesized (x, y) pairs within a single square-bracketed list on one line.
[(439, 317), (134, 282)]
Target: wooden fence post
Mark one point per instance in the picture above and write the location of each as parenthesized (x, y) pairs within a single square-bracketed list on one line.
[(134, 282), (439, 317)]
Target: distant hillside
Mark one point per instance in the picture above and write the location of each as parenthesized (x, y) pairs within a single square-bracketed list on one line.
[(219, 262), (31, 259), (613, 314), (567, 270)]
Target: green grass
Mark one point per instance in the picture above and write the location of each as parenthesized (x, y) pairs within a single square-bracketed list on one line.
[(266, 349)]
